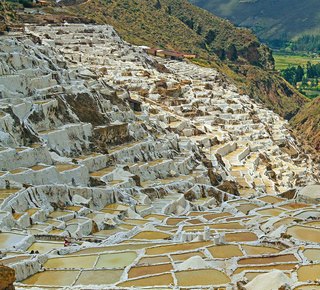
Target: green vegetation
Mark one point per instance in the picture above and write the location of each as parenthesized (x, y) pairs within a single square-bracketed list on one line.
[(305, 80), (283, 61)]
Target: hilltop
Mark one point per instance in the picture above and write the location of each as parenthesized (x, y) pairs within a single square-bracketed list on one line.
[(270, 20)]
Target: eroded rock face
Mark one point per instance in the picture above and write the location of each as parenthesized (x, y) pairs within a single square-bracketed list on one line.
[(7, 278), (309, 194)]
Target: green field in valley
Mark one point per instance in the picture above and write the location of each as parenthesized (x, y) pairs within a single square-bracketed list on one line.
[(283, 61)]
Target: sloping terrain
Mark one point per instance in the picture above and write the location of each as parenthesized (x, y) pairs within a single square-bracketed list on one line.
[(181, 26), (269, 19), (307, 122), (159, 173)]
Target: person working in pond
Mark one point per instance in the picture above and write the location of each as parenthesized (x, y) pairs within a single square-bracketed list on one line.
[(66, 242)]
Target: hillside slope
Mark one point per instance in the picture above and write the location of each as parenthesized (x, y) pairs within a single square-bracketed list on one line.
[(307, 122), (268, 19), (182, 26)]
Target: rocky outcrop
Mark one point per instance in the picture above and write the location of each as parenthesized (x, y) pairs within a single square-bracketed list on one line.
[(309, 194), (7, 278)]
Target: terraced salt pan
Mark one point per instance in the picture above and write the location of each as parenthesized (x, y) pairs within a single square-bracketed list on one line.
[(304, 233), (57, 278)]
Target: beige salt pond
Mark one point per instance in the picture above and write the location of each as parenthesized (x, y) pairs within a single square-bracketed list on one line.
[(186, 256), (309, 272), (116, 260), (268, 260), (306, 214), (246, 207), (79, 262), (225, 251), (270, 211), (32, 211), (10, 239), (14, 259), (303, 233), (294, 205), (284, 267), (156, 216), (284, 221), (162, 279), (201, 277), (241, 237), (44, 247), (38, 167), (259, 250), (149, 270), (99, 277), (57, 214), (271, 199), (107, 233), (121, 247), (312, 254), (57, 278), (65, 167), (175, 248), (151, 235), (307, 287), (154, 260)]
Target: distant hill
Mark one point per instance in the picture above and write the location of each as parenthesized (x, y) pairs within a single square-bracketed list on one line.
[(268, 19)]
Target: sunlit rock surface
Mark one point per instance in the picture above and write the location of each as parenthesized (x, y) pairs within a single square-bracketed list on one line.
[(158, 172)]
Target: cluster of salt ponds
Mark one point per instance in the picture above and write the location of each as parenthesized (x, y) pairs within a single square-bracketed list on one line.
[(154, 252), (133, 227)]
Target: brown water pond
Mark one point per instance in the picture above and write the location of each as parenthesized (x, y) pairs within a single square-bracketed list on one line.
[(225, 251), (241, 237), (183, 257), (201, 277), (151, 235), (269, 267), (268, 260), (149, 270), (175, 248), (271, 199), (163, 279), (154, 260)]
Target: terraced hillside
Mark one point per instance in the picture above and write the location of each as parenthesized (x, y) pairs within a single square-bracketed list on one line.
[(158, 172), (181, 26)]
